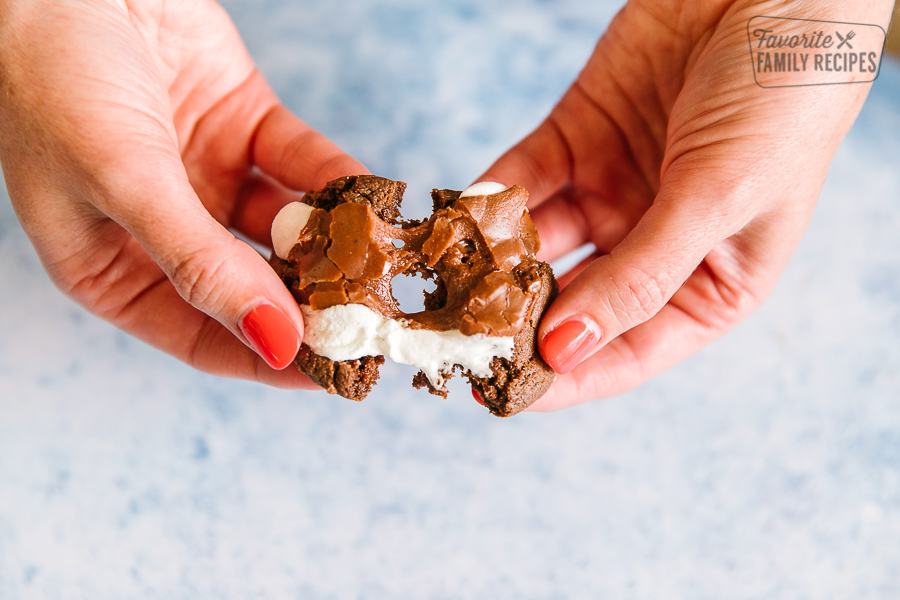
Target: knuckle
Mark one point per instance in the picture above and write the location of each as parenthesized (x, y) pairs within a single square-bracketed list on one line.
[(738, 285), (201, 346), (295, 151), (537, 173), (310, 153), (338, 165), (639, 296), (194, 277)]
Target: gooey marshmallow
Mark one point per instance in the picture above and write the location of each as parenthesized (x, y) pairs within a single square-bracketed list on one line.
[(351, 331)]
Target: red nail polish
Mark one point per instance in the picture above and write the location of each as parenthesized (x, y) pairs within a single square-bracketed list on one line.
[(478, 396), (567, 345), (272, 335)]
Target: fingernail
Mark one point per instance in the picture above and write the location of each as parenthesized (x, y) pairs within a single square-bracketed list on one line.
[(570, 343), (272, 335), (478, 396)]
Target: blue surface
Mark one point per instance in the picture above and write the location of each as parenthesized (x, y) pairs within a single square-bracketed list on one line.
[(767, 466)]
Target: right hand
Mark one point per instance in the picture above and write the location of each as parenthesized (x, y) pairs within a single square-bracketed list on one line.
[(132, 136), (694, 184)]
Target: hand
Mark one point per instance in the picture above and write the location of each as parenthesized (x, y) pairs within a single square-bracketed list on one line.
[(132, 136), (694, 184)]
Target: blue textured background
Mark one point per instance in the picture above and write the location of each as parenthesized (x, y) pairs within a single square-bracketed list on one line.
[(768, 466)]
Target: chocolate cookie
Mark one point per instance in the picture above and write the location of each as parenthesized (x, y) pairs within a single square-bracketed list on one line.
[(338, 250)]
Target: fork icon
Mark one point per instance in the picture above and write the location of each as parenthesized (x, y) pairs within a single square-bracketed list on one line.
[(845, 40)]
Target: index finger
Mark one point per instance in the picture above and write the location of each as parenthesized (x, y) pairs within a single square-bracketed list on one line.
[(540, 163), (297, 155)]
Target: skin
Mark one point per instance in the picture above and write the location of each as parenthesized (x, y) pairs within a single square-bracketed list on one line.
[(135, 134), (132, 136), (694, 183)]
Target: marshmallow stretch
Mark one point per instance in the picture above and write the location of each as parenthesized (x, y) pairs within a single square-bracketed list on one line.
[(350, 331)]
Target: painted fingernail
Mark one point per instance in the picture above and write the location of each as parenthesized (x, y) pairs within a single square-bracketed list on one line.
[(478, 396), (570, 343), (272, 335)]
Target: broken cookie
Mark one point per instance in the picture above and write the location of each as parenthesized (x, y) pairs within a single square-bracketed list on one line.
[(339, 249)]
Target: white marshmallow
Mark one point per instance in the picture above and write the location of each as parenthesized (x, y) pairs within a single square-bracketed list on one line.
[(286, 227), (351, 331), (485, 188)]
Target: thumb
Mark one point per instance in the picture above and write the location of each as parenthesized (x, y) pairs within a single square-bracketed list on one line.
[(629, 286), (209, 268)]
